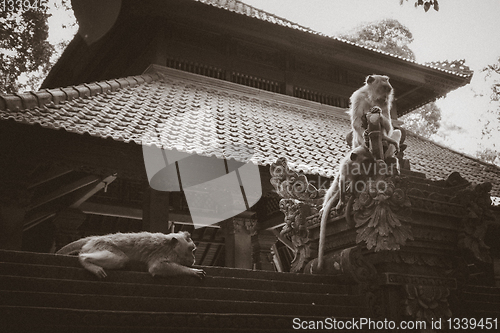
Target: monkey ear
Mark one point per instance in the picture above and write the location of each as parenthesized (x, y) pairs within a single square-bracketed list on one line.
[(369, 79), (353, 156)]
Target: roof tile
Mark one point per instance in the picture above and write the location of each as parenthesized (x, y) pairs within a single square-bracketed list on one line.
[(83, 91), (12, 102), (29, 100), (94, 88), (43, 97), (58, 95), (71, 93)]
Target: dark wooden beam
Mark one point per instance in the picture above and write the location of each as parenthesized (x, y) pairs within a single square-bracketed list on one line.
[(110, 210), (85, 196), (53, 173), (37, 219), (63, 190)]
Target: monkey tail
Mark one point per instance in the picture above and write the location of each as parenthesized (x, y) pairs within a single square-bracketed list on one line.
[(73, 248), (322, 228)]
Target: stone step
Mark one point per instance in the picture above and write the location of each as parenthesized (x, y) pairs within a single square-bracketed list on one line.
[(164, 304), (482, 290), (482, 297), (72, 261), (52, 293), (54, 320), (32, 284), (75, 273)]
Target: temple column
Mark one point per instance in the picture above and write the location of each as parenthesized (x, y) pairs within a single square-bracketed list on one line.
[(238, 241), (262, 243)]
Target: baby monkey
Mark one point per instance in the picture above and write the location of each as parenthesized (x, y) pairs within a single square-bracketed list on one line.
[(376, 92), (164, 254)]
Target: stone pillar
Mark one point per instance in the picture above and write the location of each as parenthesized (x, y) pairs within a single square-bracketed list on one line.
[(238, 241), (262, 243)]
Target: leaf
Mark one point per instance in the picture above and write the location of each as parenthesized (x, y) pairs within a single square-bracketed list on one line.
[(427, 6), (436, 6)]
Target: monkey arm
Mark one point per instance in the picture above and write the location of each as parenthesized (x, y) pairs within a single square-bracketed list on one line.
[(166, 268), (359, 106)]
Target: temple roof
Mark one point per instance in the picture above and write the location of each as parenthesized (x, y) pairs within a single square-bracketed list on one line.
[(456, 67), (206, 116)]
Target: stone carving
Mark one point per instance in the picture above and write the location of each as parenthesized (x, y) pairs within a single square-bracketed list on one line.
[(349, 263), (299, 201), (426, 302), (377, 214), (292, 185), (296, 229), (474, 224), (245, 225), (381, 203)]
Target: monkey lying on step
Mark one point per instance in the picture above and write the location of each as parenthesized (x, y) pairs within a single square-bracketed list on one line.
[(164, 254)]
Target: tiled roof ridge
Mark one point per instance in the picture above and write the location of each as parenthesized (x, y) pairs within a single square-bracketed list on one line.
[(239, 7), (165, 73), (440, 145), (456, 66), (31, 99)]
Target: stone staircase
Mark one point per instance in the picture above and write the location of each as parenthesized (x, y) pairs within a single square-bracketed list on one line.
[(480, 302), (49, 293)]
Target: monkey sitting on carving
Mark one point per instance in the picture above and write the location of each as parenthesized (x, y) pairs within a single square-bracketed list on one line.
[(377, 93), (164, 254), (357, 165)]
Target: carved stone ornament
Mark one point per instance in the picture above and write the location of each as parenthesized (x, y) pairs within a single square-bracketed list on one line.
[(427, 302), (244, 225), (474, 225), (377, 214), (293, 185), (296, 229), (349, 263)]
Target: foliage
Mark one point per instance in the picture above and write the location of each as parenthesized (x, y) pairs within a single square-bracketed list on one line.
[(427, 4), (491, 71), (491, 127), (488, 155), (424, 121), (387, 35), (24, 47)]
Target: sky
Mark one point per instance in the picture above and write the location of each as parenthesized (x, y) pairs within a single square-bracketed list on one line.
[(461, 29)]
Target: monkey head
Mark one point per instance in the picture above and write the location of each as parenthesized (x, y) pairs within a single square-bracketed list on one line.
[(380, 86), (183, 248)]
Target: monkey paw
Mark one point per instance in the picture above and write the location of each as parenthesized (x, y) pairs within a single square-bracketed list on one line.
[(199, 273), (99, 272)]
